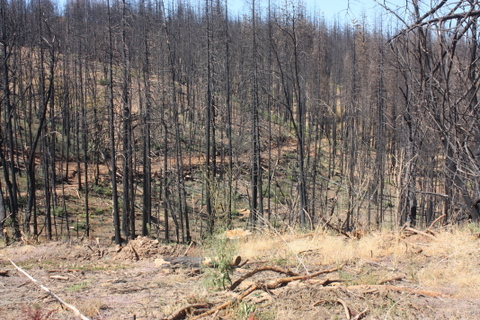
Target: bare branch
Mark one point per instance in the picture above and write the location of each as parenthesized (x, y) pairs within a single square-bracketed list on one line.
[(69, 306)]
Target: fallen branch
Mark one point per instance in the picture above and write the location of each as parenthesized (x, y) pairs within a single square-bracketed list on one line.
[(66, 270), (57, 277), (361, 314), (242, 264), (324, 271), (328, 224), (69, 306), (319, 302), (258, 270), (276, 283), (419, 232), (345, 308), (137, 257), (188, 249), (183, 312), (228, 303), (395, 278), (348, 312), (374, 288), (434, 222), (273, 284)]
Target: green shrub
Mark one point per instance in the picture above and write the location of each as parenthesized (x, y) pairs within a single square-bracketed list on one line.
[(77, 226), (102, 190), (58, 211), (99, 211), (248, 310), (103, 82), (22, 200), (222, 251)]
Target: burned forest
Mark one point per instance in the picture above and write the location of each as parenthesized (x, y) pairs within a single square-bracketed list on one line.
[(173, 120)]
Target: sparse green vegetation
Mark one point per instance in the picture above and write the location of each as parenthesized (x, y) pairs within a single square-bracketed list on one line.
[(222, 252), (100, 211), (58, 211), (473, 228), (77, 226), (104, 190), (103, 82), (245, 310), (79, 286)]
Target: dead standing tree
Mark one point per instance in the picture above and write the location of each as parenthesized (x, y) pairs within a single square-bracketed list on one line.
[(6, 134), (438, 53)]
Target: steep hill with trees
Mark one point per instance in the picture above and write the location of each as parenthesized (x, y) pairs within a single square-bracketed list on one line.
[(178, 117)]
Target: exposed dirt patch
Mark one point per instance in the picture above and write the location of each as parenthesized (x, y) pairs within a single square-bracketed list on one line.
[(104, 282)]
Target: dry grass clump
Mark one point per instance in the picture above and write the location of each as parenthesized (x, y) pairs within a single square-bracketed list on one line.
[(447, 262), (453, 263), (329, 248), (90, 307)]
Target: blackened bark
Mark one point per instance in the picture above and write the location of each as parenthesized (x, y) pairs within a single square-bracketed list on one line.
[(111, 112)]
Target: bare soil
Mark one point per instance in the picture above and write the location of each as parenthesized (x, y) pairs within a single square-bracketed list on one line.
[(106, 281)]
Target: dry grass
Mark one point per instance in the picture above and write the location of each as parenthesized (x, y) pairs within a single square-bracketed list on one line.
[(454, 263), (90, 307), (330, 248), (448, 263)]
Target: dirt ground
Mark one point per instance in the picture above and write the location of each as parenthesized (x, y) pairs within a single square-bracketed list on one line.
[(106, 282)]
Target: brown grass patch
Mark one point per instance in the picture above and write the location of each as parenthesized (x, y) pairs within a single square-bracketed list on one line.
[(448, 263)]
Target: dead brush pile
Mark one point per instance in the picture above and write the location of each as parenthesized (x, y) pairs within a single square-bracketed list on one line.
[(145, 248)]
